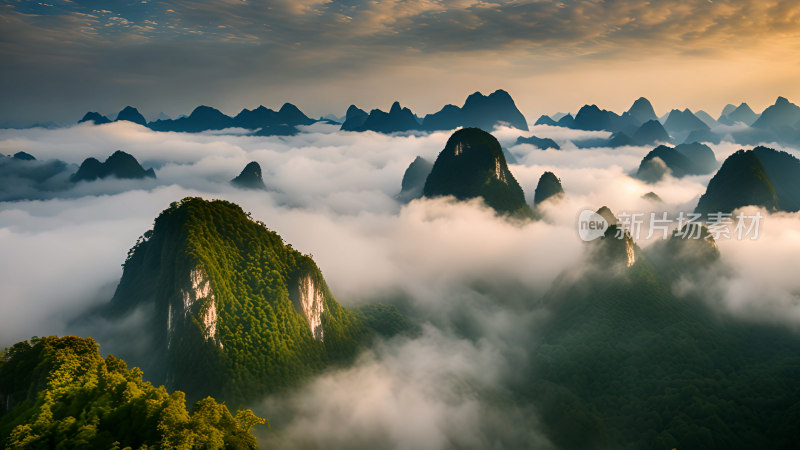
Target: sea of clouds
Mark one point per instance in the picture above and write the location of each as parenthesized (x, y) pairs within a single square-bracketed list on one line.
[(471, 280)]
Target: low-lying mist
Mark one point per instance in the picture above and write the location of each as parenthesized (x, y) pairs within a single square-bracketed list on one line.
[(470, 279)]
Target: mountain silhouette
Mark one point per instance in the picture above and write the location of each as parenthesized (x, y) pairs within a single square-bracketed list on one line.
[(683, 160), (642, 110), (479, 111), (783, 114), (742, 114), (742, 180), (202, 118), (706, 118), (549, 186), (472, 165), (546, 120), (651, 132), (119, 165), (592, 118), (250, 177), (130, 114), (94, 117), (683, 122), (24, 156), (414, 179), (354, 119), (396, 120), (540, 143)]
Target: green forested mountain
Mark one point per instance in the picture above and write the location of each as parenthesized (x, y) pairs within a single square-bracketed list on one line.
[(622, 363), (233, 311), (742, 180), (58, 392), (472, 165)]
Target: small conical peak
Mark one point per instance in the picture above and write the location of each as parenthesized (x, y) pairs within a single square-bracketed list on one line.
[(549, 186), (24, 156), (204, 110), (353, 109), (396, 108), (782, 101), (250, 177), (288, 107), (653, 197), (252, 168), (606, 213), (501, 94)]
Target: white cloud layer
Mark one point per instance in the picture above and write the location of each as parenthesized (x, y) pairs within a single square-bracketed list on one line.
[(471, 278)]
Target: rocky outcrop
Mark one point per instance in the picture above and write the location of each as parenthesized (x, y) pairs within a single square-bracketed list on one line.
[(309, 301)]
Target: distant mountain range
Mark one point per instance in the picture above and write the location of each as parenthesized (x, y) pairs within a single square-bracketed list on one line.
[(740, 124), (478, 111)]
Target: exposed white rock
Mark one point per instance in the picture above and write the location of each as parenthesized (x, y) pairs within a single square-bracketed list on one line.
[(498, 171), (311, 304), (459, 149), (200, 289), (629, 251)]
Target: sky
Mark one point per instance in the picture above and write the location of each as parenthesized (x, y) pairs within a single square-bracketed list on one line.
[(61, 58)]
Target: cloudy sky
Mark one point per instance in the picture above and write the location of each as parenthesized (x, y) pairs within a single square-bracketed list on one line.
[(61, 58)]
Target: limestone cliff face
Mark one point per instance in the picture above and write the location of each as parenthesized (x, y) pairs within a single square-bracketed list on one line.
[(197, 298), (309, 301)]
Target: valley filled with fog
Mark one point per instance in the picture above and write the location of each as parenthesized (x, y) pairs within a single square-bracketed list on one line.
[(473, 282)]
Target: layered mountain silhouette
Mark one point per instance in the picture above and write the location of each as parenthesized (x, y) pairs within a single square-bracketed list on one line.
[(250, 177), (592, 118), (354, 119), (780, 116), (540, 143), (472, 165), (549, 186), (479, 111), (414, 179), (683, 122), (680, 161), (741, 113), (651, 132), (396, 120), (261, 120), (642, 110), (546, 120), (230, 309), (119, 165), (706, 118)]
